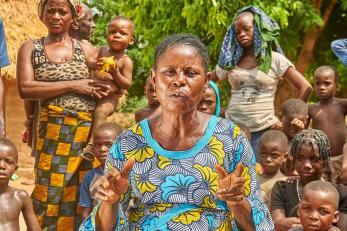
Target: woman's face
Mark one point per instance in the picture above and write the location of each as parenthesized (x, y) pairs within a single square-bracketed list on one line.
[(244, 30), (179, 79), (57, 16)]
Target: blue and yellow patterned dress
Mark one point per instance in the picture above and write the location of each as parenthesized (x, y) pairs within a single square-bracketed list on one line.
[(176, 190)]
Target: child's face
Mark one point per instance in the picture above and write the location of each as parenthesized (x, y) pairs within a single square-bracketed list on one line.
[(120, 34), (308, 165), (151, 95), (8, 163), (208, 102), (272, 156), (325, 84), (317, 211), (290, 129), (102, 142), (244, 30)]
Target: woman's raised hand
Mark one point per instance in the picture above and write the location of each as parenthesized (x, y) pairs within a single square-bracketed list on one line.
[(114, 183), (231, 186)]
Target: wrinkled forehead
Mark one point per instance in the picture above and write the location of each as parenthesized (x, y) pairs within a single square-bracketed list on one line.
[(70, 3)]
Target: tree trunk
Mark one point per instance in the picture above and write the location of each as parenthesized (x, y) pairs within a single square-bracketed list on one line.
[(284, 89), (311, 37)]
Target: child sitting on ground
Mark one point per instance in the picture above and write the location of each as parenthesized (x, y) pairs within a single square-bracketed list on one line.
[(153, 104), (318, 208), (293, 117), (310, 150), (272, 153), (103, 138), (328, 115), (13, 201)]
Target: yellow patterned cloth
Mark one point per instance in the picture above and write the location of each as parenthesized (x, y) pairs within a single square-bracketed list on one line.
[(59, 169)]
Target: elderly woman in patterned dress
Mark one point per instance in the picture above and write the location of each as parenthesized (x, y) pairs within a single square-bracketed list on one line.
[(184, 169)]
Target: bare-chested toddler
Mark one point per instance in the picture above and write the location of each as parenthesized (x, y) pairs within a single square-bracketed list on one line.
[(120, 35)]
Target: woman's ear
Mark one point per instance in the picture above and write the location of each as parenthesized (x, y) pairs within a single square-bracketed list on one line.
[(208, 78), (336, 216)]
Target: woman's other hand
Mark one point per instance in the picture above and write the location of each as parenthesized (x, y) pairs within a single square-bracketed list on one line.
[(84, 87), (114, 183), (107, 86), (231, 186)]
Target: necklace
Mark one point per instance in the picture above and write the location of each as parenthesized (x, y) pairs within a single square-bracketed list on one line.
[(297, 190)]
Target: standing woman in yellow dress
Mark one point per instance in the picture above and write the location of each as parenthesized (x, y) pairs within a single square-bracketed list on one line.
[(54, 70)]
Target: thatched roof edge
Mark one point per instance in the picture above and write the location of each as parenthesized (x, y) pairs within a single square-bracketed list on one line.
[(21, 23)]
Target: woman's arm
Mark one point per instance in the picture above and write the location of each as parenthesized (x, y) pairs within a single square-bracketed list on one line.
[(106, 218), (29, 88), (232, 192), (299, 82)]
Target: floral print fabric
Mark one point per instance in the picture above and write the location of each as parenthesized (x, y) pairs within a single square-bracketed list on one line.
[(178, 192)]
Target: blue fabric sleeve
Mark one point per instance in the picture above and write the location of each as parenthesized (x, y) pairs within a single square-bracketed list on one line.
[(339, 48), (243, 153), (4, 61), (85, 199)]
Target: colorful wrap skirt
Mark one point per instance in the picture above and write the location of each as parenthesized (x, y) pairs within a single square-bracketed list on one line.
[(59, 169)]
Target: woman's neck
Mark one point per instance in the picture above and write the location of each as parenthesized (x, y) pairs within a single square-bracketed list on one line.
[(58, 37), (179, 126)]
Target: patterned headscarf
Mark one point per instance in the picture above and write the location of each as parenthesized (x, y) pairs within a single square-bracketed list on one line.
[(216, 91), (78, 9), (266, 32)]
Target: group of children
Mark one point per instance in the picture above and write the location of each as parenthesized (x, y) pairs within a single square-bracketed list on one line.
[(311, 157), (293, 161)]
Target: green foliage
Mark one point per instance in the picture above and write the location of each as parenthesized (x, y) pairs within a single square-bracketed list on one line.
[(208, 19)]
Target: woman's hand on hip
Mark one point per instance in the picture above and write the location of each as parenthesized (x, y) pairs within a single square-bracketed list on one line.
[(114, 183), (231, 186)]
